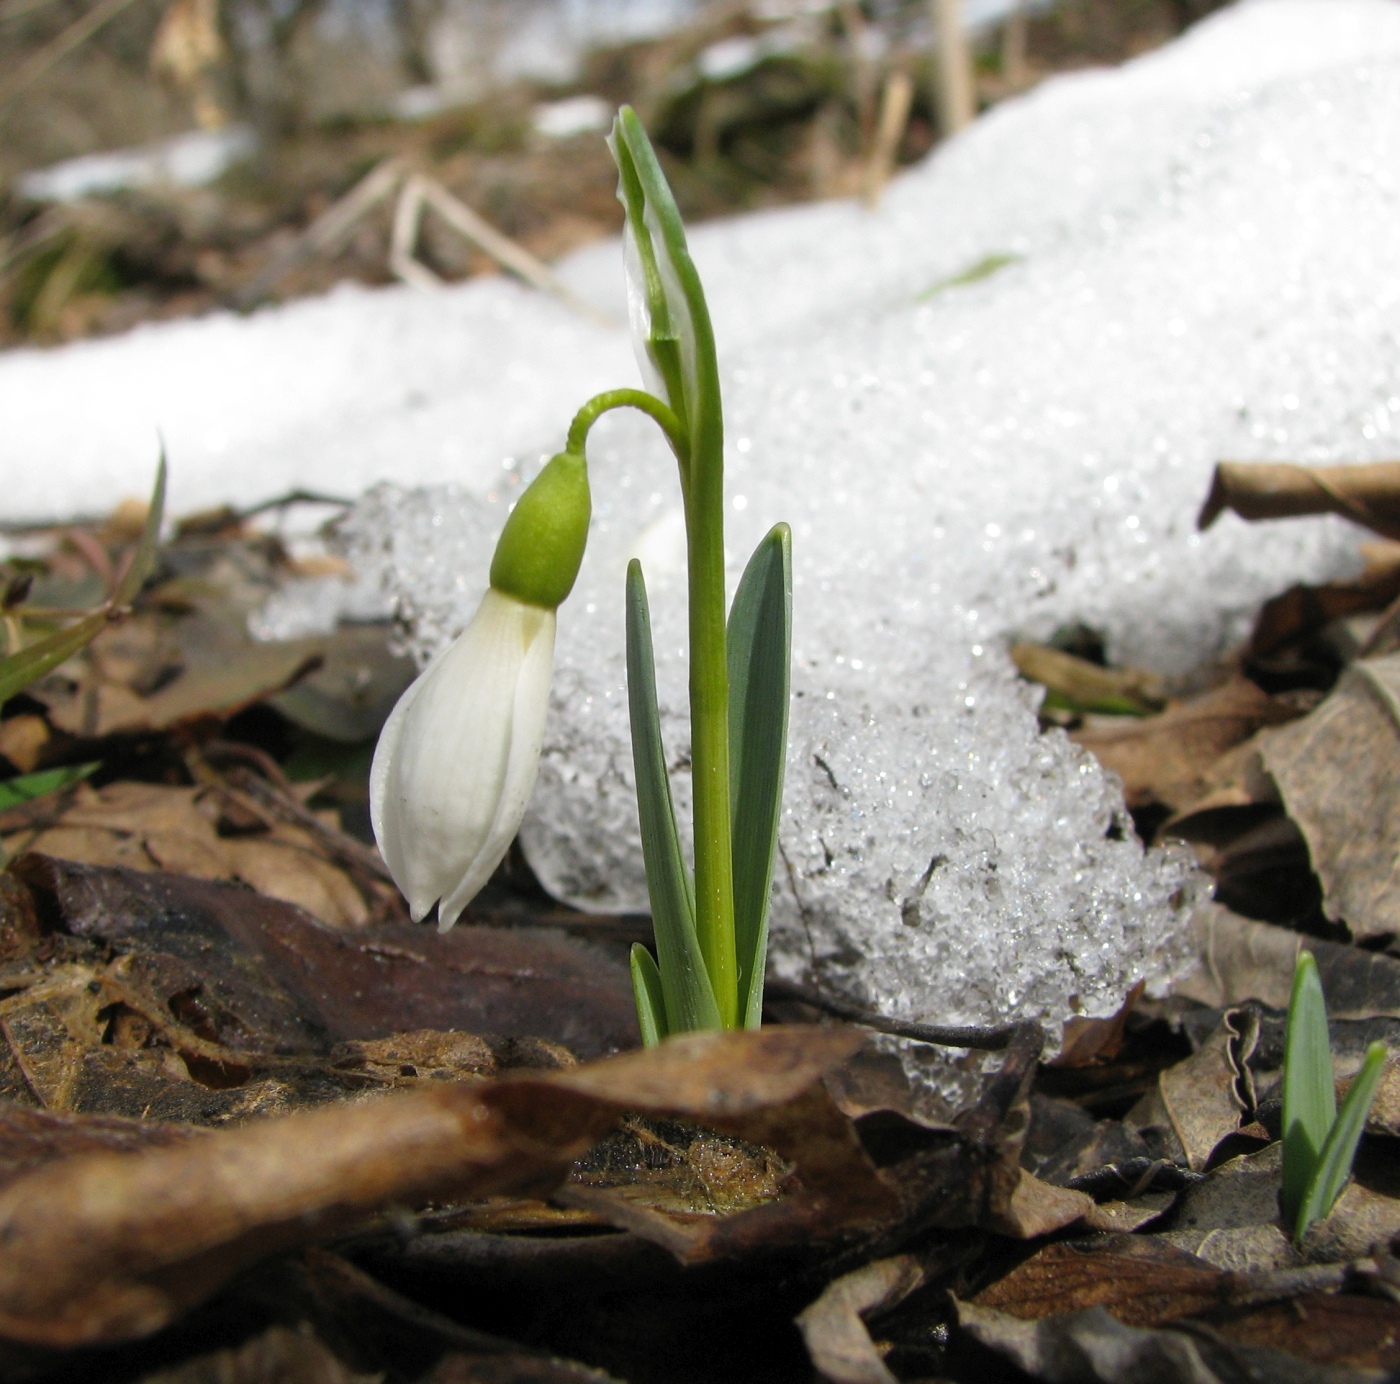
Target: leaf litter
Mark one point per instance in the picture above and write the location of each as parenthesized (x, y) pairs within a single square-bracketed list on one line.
[(254, 1124)]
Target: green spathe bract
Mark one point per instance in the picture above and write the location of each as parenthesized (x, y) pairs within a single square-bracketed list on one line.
[(541, 546), (1319, 1142), (711, 930)]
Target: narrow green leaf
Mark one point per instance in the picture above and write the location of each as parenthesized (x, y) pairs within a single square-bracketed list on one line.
[(1309, 1100), (690, 999), (20, 669), (651, 1000), (17, 671), (760, 656), (143, 560), (27, 787), (1339, 1149)]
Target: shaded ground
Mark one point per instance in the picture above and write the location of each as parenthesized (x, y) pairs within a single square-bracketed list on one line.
[(792, 127)]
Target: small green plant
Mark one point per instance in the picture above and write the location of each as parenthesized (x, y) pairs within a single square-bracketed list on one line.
[(25, 663), (456, 761), (1319, 1143)]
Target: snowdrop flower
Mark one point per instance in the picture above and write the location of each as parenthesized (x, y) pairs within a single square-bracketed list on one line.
[(456, 761)]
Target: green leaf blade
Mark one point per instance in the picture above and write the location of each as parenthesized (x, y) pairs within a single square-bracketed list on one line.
[(649, 994), (685, 982), (760, 659), (143, 560), (1309, 1098), (1339, 1149), (27, 787)]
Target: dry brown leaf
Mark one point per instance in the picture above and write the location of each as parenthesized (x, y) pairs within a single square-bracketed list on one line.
[(21, 740), (1038, 1208), (144, 677), (1140, 1279), (1242, 959), (108, 1247), (836, 1339), (1338, 1329), (1197, 1100), (147, 826), (1338, 771), (1087, 1041), (1167, 758), (260, 977), (1368, 494), (1089, 685), (1286, 623)]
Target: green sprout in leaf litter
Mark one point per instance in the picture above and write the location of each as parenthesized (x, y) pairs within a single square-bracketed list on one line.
[(27, 663), (457, 759), (1319, 1142)]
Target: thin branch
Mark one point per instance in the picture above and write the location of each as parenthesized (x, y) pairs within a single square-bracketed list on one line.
[(51, 54), (985, 1038)]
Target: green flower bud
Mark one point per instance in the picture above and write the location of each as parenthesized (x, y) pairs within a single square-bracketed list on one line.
[(540, 549)]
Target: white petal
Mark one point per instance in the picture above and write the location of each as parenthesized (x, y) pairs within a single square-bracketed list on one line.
[(444, 760), (522, 767)]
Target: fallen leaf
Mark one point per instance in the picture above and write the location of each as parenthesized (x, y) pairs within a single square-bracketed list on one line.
[(1304, 637), (1338, 771), (1093, 1347), (1087, 1041), (30, 1139), (1368, 493), (22, 738), (1361, 1333), (836, 1339), (1238, 1248), (1039, 1208), (1241, 959), (147, 826), (1142, 1280), (1076, 684), (262, 976), (1166, 758), (106, 1247), (1197, 1100)]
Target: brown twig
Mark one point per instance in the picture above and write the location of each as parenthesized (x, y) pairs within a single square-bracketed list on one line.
[(53, 53), (983, 1037)]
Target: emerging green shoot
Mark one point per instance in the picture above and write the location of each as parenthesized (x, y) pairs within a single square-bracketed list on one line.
[(29, 663), (1319, 1143)]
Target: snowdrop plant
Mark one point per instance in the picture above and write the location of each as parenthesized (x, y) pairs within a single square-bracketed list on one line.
[(1319, 1143), (711, 930), (457, 759)]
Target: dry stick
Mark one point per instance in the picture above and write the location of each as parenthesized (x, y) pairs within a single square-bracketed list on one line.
[(17, 9), (54, 52), (895, 103), (985, 1038), (403, 240), (1014, 71), (952, 67), (504, 250), (328, 231), (864, 75)]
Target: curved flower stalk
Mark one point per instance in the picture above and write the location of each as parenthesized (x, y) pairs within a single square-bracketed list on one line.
[(457, 758)]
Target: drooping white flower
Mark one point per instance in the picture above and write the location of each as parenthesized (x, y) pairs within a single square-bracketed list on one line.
[(457, 759)]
